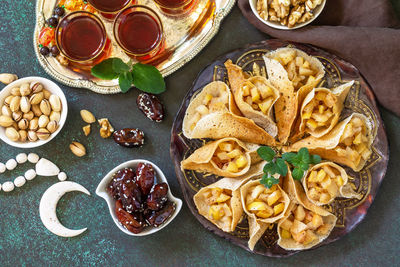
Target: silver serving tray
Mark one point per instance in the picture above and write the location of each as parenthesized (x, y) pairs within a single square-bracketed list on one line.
[(185, 38)]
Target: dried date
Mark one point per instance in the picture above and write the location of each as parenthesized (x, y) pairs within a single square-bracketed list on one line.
[(156, 218), (129, 137), (150, 106), (158, 197), (132, 222), (115, 186), (131, 196), (145, 177)]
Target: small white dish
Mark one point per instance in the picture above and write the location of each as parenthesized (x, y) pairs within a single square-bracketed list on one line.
[(317, 11), (51, 87), (101, 191)]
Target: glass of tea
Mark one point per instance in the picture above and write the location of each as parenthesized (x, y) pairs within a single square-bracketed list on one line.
[(82, 38), (110, 8), (175, 7), (139, 32)]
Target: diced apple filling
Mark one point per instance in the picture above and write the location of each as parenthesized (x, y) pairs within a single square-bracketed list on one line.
[(303, 226), (210, 104), (260, 97), (354, 142), (300, 71), (323, 184), (219, 204), (265, 202), (318, 114), (230, 156)]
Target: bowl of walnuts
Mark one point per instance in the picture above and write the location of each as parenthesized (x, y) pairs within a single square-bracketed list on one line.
[(287, 14), (33, 111)]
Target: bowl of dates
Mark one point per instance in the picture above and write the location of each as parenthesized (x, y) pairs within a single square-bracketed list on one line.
[(139, 199)]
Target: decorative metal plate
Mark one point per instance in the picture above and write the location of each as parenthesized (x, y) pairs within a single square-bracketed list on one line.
[(185, 38), (350, 212)]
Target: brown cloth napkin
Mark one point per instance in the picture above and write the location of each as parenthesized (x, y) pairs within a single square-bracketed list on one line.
[(364, 32)]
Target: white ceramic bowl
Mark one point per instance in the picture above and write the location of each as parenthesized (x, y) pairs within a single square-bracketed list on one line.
[(101, 191), (51, 87), (277, 25)]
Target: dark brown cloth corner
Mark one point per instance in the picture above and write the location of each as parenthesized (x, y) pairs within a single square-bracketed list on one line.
[(364, 32)]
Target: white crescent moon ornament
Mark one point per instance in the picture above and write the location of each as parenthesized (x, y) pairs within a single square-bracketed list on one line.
[(48, 206)]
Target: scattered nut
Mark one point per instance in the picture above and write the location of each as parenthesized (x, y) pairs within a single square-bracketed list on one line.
[(52, 126), (106, 129), (43, 134), (77, 149), (12, 134), (6, 121), (8, 78), (86, 130), (87, 116)]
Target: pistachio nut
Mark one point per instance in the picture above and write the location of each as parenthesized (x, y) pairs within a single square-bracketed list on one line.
[(36, 98), (52, 126), (14, 104), (23, 135), (43, 134), (15, 125), (25, 105), (78, 149), (15, 91), (17, 116), (32, 136), (55, 116), (86, 130), (45, 107), (87, 116), (34, 124), (23, 124), (6, 111), (55, 102), (7, 100), (6, 121), (46, 94), (36, 110), (43, 121), (8, 78), (36, 87), (29, 115), (12, 134), (25, 89)]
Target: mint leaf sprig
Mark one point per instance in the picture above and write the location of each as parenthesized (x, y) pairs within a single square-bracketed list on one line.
[(144, 77), (300, 162)]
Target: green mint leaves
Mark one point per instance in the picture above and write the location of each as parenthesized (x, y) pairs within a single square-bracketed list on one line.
[(300, 162), (145, 77)]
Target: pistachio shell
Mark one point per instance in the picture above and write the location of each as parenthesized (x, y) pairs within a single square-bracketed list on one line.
[(6, 121), (55, 116), (29, 115), (17, 116), (43, 121), (36, 98), (14, 104), (7, 100), (46, 94), (36, 87), (8, 78), (32, 136), (15, 91), (43, 134), (78, 149), (12, 134), (55, 102), (36, 110), (45, 107), (52, 126), (25, 105), (23, 135), (25, 89), (87, 116), (6, 111), (23, 124), (34, 124)]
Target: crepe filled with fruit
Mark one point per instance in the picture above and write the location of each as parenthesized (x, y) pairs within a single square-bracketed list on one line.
[(263, 206), (326, 181), (228, 157), (321, 109), (254, 97), (305, 224), (294, 74), (220, 203), (348, 143), (213, 114)]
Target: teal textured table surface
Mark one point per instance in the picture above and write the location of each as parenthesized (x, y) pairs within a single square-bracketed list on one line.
[(25, 241)]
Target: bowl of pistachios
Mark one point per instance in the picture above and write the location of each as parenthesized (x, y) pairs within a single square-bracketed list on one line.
[(33, 111)]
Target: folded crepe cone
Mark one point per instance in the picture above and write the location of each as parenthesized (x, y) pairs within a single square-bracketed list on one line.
[(295, 74), (254, 96), (326, 181), (213, 114), (263, 206), (228, 157), (348, 143), (305, 225)]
